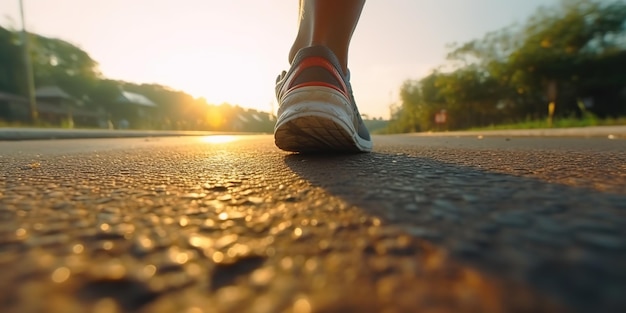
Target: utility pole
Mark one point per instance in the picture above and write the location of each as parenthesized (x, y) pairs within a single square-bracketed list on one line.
[(28, 67), (272, 112)]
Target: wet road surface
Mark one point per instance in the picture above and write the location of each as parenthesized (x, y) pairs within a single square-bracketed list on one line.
[(232, 224)]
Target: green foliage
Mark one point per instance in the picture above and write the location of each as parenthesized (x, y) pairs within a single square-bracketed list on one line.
[(11, 63), (376, 126), (562, 122), (62, 64), (565, 53), (180, 111)]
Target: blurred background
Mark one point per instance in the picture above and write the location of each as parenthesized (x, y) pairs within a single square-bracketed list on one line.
[(211, 65)]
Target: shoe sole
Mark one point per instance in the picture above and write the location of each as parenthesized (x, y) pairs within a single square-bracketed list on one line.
[(317, 126)]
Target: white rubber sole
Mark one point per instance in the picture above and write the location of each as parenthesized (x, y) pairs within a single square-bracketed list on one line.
[(317, 119)]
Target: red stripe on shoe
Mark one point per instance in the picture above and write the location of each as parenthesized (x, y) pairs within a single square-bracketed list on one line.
[(318, 62)]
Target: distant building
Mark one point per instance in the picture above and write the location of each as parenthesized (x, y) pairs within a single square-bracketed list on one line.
[(55, 108), (54, 95), (13, 108), (144, 110)]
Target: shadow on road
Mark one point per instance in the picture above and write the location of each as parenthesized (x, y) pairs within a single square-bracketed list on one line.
[(563, 240)]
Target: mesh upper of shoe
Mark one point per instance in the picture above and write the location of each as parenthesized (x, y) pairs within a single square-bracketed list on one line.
[(320, 74)]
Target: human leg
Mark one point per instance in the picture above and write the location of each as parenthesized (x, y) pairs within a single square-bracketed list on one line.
[(328, 23), (317, 111)]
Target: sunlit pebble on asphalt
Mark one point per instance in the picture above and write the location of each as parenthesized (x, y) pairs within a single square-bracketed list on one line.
[(20, 233), (177, 256), (280, 227), (145, 242), (238, 250), (106, 305), (55, 194), (74, 261), (193, 196), (297, 232), (236, 215), (226, 241), (262, 276), (107, 245), (302, 305), (376, 221), (311, 264), (126, 229), (113, 270), (31, 166), (324, 244), (230, 296), (216, 188), (154, 219), (224, 198), (218, 257), (480, 137), (209, 224), (45, 260), (78, 248), (223, 216), (194, 310), (611, 136), (193, 270), (148, 271), (286, 263), (157, 284), (270, 252), (263, 218), (200, 241), (60, 275), (255, 200)]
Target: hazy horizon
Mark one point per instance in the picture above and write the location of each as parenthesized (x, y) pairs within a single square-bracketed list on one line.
[(232, 51)]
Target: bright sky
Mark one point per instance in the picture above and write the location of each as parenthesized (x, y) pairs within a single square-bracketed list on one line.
[(232, 51)]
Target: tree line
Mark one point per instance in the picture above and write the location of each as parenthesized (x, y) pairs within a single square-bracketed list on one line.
[(59, 63), (568, 60)]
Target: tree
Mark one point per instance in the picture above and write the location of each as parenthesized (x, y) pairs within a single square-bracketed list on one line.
[(11, 63), (60, 63), (565, 53)]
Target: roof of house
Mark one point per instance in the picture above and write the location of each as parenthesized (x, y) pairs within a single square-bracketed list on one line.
[(51, 92), (11, 97), (42, 106), (135, 98)]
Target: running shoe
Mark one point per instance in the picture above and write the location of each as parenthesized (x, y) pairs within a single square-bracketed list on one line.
[(317, 111)]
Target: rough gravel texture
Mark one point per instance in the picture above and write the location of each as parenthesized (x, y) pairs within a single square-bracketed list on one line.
[(212, 225)]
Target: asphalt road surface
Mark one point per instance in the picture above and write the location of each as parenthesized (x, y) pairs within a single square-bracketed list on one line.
[(232, 224)]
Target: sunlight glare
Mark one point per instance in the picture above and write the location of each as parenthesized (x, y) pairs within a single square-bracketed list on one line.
[(218, 139), (215, 73)]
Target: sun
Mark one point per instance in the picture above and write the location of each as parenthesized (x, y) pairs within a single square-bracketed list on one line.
[(219, 139), (219, 76)]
